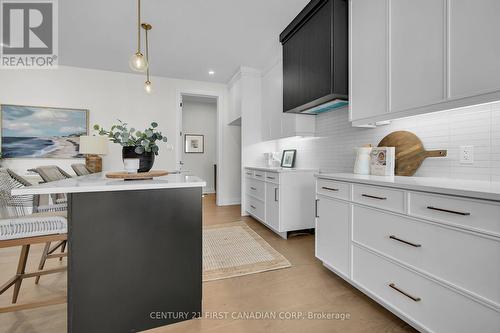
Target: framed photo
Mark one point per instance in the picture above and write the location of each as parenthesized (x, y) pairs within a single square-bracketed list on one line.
[(42, 132), (194, 144), (288, 158)]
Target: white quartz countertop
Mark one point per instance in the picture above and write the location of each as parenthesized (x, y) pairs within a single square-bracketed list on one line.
[(279, 169), (458, 187), (99, 183)]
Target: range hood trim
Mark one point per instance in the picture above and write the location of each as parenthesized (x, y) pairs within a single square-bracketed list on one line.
[(317, 102)]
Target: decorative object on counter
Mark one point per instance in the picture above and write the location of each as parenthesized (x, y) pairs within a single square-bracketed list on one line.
[(194, 144), (362, 164), (131, 165), (410, 152), (288, 158), (382, 161), (138, 175), (136, 144), (92, 147), (42, 132), (273, 159)]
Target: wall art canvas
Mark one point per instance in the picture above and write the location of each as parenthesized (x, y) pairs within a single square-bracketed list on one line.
[(42, 132), (194, 144)]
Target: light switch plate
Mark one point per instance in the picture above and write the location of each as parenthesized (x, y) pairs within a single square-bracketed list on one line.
[(466, 154)]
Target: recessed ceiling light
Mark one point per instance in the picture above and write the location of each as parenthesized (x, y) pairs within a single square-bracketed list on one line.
[(211, 73)]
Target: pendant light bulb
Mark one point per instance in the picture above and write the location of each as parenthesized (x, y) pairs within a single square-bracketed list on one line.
[(148, 86), (138, 62)]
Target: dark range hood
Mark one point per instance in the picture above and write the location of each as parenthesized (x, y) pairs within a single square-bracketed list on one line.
[(315, 58)]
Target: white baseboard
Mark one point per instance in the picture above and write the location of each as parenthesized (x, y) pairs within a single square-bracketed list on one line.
[(228, 201)]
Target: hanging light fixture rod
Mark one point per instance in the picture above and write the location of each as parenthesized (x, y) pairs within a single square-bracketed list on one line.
[(147, 85), (137, 62)]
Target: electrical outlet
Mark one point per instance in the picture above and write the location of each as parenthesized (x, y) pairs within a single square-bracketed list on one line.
[(466, 154)]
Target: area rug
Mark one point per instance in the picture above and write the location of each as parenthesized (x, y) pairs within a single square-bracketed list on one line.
[(234, 249)]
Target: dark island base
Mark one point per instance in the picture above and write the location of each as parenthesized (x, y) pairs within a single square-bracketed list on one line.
[(135, 259)]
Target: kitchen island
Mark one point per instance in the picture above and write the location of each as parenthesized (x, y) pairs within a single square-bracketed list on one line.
[(134, 251)]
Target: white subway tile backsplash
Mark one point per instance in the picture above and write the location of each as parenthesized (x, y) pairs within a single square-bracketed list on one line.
[(478, 126)]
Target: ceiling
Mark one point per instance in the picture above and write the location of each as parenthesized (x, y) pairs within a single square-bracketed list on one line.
[(189, 37)]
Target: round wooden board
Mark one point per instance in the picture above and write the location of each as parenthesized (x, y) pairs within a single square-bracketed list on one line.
[(136, 176)]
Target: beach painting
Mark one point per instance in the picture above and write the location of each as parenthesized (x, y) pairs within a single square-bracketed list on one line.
[(41, 132)]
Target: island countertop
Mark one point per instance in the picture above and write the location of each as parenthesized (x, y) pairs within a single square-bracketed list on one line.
[(99, 183)]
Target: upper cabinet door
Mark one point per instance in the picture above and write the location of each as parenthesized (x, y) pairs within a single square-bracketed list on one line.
[(417, 39), (368, 58), (474, 42)]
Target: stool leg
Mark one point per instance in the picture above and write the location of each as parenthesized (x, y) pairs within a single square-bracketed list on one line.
[(42, 260), (21, 266), (63, 247)]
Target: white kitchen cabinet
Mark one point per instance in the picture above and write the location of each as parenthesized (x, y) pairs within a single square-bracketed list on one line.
[(417, 53), (368, 67), (415, 248), (275, 123), (474, 47), (413, 57), (333, 221), (287, 203)]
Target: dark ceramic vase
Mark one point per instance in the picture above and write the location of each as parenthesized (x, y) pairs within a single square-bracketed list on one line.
[(146, 160)]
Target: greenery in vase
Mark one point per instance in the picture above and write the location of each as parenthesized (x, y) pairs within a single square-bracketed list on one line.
[(143, 141)]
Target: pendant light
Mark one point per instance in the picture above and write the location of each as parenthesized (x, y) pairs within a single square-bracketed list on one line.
[(138, 62), (147, 85)]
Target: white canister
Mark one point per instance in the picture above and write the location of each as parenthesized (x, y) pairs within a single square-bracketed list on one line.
[(362, 164), (131, 164)]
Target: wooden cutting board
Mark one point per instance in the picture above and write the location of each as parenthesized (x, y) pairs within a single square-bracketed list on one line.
[(410, 152), (136, 176)]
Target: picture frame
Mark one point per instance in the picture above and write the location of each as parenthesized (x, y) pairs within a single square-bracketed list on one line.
[(288, 158), (194, 144), (42, 131)]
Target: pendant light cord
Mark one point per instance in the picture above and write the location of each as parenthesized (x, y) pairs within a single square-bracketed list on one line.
[(147, 54), (138, 26)]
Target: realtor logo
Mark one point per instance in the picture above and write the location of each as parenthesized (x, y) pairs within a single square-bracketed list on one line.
[(29, 34)]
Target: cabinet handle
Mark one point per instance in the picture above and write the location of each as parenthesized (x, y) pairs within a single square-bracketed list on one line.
[(373, 197), (252, 206), (413, 298), (271, 178), (258, 175), (316, 209), (253, 188), (403, 241), (248, 173), (275, 194), (448, 211), (330, 189)]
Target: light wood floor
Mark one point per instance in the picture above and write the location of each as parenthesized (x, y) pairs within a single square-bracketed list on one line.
[(306, 286)]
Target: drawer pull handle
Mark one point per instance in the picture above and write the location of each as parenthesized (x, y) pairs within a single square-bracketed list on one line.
[(258, 175), (403, 241), (253, 188), (248, 173), (252, 206), (373, 197), (413, 298), (271, 178), (276, 194), (330, 189), (448, 211), (316, 208)]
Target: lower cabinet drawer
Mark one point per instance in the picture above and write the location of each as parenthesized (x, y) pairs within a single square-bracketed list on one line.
[(463, 259), (256, 208), (381, 197), (428, 304), (256, 188)]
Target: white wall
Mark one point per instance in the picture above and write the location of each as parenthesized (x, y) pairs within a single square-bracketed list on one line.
[(200, 117), (112, 95), (479, 126)]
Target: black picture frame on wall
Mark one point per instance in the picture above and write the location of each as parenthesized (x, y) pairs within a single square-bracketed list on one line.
[(288, 158)]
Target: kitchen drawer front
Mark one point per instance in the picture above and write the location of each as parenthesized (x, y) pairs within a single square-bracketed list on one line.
[(334, 189), (259, 175), (256, 208), (273, 177), (381, 197), (256, 188), (463, 259), (429, 304), (474, 214), (248, 173)]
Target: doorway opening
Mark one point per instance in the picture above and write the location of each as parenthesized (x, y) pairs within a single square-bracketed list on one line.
[(199, 137)]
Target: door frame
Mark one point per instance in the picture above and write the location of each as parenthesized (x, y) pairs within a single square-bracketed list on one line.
[(180, 143)]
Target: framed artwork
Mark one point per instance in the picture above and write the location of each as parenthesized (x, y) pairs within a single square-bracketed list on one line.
[(194, 144), (42, 132), (288, 158)]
